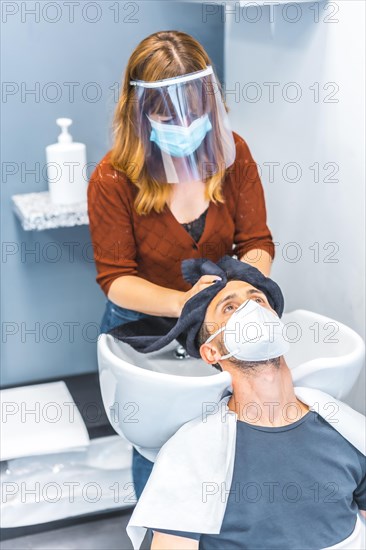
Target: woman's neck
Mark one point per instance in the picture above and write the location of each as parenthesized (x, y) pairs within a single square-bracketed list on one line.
[(187, 201)]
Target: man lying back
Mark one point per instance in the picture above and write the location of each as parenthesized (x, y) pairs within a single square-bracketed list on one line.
[(273, 469)]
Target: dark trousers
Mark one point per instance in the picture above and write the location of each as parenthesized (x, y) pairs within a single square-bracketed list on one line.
[(141, 470)]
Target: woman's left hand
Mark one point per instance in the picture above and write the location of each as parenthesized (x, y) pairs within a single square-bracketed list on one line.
[(202, 283)]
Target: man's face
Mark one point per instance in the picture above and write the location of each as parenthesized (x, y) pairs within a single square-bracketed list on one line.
[(230, 298), (223, 306)]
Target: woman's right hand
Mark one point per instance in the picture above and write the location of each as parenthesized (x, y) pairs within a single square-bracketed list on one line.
[(202, 283)]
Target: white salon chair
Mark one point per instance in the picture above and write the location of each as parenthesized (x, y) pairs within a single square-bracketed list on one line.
[(147, 397)]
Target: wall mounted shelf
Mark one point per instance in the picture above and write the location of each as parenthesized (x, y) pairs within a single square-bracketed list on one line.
[(36, 212)]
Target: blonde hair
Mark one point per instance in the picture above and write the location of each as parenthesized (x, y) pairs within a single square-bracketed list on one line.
[(164, 54)]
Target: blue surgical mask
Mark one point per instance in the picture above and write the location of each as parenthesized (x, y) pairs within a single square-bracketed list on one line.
[(180, 141)]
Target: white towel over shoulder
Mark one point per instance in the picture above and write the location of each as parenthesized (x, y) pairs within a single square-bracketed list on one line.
[(183, 490)]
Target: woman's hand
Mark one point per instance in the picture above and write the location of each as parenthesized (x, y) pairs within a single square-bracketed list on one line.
[(202, 283)]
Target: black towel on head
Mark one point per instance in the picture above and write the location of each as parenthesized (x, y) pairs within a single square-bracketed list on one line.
[(154, 333)]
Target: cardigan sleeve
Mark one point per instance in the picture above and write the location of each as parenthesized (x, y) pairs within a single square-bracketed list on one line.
[(110, 228), (251, 230)]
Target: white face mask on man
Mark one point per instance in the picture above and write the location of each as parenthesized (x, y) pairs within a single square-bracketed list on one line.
[(253, 333)]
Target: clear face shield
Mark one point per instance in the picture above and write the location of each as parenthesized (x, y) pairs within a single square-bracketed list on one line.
[(183, 127)]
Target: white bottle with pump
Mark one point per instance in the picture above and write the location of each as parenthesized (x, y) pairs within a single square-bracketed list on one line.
[(66, 168)]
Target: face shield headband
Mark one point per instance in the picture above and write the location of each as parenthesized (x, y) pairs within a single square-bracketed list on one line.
[(183, 126)]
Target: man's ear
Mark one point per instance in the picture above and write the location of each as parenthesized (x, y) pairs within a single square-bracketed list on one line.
[(210, 354)]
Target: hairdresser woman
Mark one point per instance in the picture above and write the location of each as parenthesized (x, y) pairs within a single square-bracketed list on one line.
[(176, 184)]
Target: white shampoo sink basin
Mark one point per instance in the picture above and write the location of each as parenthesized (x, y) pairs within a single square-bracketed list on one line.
[(147, 397), (324, 353)]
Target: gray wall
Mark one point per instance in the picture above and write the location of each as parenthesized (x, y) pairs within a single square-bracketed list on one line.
[(51, 305), (317, 52)]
